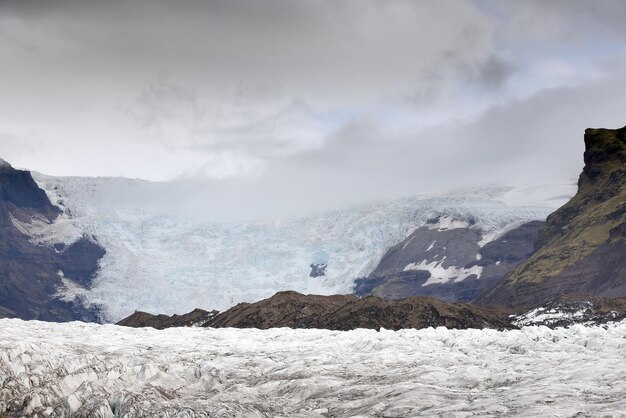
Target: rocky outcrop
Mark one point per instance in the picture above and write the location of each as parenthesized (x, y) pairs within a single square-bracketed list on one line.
[(33, 275), (573, 309), (348, 312), (448, 263), (318, 269), (582, 246), (197, 317), (337, 312)]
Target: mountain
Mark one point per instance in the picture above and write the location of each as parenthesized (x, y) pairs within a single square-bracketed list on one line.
[(164, 254), (32, 275), (582, 246), (450, 259)]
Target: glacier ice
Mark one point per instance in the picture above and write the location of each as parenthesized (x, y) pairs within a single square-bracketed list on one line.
[(89, 370), (165, 261)]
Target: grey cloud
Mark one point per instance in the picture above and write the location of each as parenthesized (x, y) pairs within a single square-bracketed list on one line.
[(309, 103), (303, 45), (530, 141), (559, 22), (494, 72)]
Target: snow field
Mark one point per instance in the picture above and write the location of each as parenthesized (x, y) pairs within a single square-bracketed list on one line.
[(93, 370)]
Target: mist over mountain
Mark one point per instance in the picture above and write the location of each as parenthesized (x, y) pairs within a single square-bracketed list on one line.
[(419, 206)]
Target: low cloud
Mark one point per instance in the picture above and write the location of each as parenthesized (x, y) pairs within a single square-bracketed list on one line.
[(309, 104)]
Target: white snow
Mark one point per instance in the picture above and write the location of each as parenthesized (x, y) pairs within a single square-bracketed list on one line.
[(101, 371), (440, 274), (168, 262)]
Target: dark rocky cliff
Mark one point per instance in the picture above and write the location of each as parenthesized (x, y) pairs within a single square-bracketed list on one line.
[(582, 247), (29, 273)]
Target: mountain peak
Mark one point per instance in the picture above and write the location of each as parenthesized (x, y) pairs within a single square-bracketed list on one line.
[(605, 151)]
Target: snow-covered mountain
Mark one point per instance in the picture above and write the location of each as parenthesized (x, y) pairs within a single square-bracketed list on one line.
[(105, 371), (168, 261)]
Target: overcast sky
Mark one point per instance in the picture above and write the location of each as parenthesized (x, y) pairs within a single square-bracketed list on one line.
[(334, 101)]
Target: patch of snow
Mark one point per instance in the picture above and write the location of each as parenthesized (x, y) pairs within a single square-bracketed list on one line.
[(430, 247), (101, 371), (440, 274)]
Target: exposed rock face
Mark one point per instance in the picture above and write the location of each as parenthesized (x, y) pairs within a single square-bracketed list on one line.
[(346, 312), (318, 269), (30, 278), (197, 317), (448, 263), (582, 247)]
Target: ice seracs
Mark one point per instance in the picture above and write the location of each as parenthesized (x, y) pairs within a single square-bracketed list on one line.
[(164, 261)]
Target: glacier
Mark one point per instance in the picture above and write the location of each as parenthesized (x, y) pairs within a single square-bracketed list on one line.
[(164, 259), (104, 371)]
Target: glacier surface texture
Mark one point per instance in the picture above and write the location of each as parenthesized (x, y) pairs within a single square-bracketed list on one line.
[(164, 257), (89, 370)]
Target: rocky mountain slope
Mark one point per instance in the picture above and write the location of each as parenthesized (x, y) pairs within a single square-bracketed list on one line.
[(450, 259), (582, 246), (32, 275)]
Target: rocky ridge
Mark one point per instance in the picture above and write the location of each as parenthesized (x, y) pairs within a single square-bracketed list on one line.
[(348, 312), (340, 312)]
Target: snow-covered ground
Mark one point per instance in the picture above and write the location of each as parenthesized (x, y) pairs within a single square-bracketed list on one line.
[(163, 256), (90, 370)]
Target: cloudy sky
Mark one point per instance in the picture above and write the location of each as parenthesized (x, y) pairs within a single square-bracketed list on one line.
[(318, 101)]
